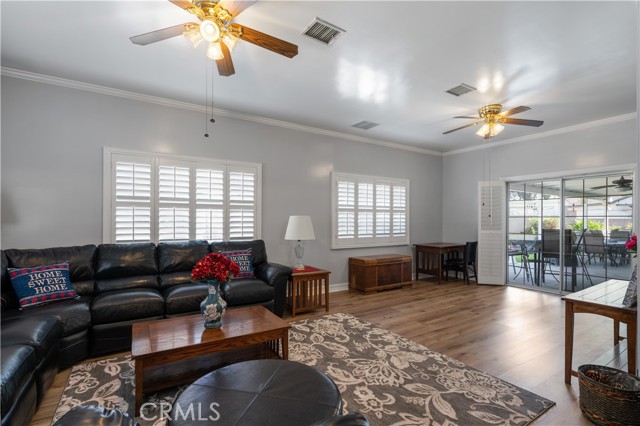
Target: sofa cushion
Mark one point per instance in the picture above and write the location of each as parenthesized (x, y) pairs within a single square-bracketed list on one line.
[(81, 260), (184, 298), (73, 315), (17, 365), (178, 256), (126, 305), (175, 278), (246, 291), (40, 332), (42, 284), (126, 260), (243, 260), (8, 298)]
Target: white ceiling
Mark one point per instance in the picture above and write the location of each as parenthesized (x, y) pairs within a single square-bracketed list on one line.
[(571, 62)]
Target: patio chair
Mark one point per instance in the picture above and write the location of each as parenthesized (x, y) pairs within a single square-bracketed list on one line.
[(594, 246)]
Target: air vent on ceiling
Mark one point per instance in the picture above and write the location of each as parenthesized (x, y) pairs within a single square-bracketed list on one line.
[(323, 31), (461, 89), (365, 125)]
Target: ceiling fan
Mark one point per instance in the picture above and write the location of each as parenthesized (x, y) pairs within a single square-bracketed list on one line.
[(621, 183), (216, 29), (492, 117)]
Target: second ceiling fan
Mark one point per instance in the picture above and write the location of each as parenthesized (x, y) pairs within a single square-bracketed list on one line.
[(216, 29), (492, 118)]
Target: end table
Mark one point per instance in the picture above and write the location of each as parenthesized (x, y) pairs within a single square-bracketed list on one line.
[(308, 289)]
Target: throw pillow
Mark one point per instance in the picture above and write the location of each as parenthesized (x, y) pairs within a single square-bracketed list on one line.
[(243, 259), (42, 284)]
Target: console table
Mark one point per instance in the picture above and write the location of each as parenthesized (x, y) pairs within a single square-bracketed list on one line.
[(429, 257), (602, 299)]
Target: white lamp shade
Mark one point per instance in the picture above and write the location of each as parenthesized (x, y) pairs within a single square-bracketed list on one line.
[(299, 228)]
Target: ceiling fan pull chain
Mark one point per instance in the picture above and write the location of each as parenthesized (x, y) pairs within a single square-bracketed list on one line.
[(206, 97)]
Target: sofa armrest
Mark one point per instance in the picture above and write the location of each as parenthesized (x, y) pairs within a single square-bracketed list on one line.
[(276, 275)]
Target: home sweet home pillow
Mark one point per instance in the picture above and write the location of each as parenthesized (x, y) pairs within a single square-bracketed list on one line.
[(243, 259), (42, 284)]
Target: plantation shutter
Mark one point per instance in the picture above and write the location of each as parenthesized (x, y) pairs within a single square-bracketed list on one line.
[(152, 197), (210, 201), (131, 183), (242, 204), (491, 233), (173, 201), (369, 211)]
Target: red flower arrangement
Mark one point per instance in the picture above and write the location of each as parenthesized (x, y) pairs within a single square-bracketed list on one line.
[(632, 244), (214, 266)]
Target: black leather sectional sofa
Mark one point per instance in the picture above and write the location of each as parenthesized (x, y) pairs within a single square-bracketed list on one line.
[(117, 285)]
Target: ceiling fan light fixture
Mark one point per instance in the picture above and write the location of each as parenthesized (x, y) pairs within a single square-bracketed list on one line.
[(193, 36), (231, 41), (209, 30), (490, 130), (214, 51)]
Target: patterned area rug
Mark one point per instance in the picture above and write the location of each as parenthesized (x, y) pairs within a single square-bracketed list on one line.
[(390, 379)]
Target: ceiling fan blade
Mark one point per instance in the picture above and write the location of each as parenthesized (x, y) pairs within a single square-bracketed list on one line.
[(516, 110), (466, 116), (159, 35), (266, 41), (225, 65), (603, 186), (189, 7), (463, 127), (521, 122), (235, 7)]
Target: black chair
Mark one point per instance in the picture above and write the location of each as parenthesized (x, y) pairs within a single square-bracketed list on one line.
[(466, 264)]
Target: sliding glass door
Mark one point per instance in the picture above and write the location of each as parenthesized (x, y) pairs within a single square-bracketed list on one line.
[(595, 216)]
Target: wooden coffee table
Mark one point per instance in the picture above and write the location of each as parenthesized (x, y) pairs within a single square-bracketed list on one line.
[(158, 343)]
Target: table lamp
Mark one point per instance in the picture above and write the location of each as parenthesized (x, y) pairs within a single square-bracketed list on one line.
[(299, 228)]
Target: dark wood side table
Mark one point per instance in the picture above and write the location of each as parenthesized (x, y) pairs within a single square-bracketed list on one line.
[(429, 257), (308, 290), (603, 299)]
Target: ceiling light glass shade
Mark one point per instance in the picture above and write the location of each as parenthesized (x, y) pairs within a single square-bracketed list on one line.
[(496, 129), (230, 40), (214, 51), (209, 30), (193, 36), (490, 129)]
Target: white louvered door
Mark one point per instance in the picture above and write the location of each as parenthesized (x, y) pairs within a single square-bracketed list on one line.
[(491, 233)]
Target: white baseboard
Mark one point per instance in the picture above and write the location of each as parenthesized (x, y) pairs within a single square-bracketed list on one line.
[(333, 287)]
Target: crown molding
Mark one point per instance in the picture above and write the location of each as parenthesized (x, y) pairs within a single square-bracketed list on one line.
[(73, 84), (568, 129)]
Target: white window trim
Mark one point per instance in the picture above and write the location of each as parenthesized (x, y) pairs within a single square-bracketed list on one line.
[(337, 243), (155, 158)]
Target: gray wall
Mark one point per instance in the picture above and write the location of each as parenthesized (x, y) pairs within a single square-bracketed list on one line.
[(52, 141), (559, 155)]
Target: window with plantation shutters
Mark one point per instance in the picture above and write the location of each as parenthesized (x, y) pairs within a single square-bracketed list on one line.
[(153, 197), (369, 211), (131, 219)]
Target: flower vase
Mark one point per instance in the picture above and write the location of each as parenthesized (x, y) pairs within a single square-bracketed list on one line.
[(213, 306)]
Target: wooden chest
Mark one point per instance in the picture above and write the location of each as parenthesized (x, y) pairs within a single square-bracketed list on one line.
[(380, 272)]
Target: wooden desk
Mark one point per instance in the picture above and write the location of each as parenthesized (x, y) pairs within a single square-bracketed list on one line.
[(603, 299), (308, 289), (431, 260)]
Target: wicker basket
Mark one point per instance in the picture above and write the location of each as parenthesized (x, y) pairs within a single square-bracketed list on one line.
[(609, 396)]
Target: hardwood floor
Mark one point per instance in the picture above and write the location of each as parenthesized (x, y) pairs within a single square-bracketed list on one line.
[(514, 334)]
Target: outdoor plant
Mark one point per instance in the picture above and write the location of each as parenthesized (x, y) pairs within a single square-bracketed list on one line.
[(632, 245), (214, 266)]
